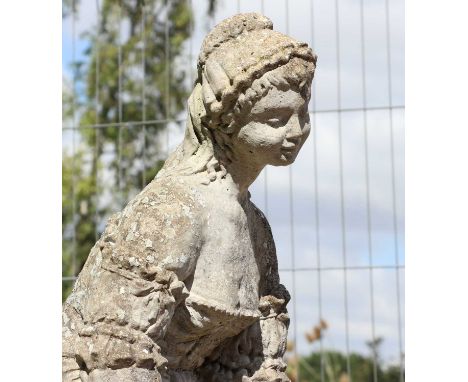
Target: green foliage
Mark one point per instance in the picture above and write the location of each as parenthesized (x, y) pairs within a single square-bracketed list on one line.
[(332, 366), (113, 162), (78, 190)]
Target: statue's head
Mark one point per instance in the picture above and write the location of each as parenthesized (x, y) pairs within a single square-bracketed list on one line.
[(251, 95)]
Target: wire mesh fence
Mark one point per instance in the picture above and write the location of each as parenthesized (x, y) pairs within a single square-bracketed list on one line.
[(337, 214)]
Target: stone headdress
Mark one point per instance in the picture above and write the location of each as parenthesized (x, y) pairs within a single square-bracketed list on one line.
[(233, 61)]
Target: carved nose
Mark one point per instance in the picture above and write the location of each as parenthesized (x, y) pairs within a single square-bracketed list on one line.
[(294, 133)]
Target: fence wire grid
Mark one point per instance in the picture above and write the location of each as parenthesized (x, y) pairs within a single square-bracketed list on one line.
[(337, 214)]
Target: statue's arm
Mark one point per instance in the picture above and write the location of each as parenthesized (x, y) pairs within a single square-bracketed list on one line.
[(274, 321), (256, 354), (127, 292), (118, 330)]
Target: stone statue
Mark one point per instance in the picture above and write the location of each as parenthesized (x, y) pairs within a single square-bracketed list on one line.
[(183, 285)]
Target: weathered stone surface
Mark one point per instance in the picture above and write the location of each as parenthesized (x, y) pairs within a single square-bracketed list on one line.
[(183, 284)]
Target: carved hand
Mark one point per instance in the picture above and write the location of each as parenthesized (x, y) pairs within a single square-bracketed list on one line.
[(274, 328)]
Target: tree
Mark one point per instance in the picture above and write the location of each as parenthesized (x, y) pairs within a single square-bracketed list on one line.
[(132, 72), (335, 369), (331, 366)]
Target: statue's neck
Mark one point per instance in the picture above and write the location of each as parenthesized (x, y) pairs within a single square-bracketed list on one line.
[(241, 176)]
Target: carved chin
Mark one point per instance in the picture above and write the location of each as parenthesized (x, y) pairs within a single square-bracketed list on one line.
[(286, 158)]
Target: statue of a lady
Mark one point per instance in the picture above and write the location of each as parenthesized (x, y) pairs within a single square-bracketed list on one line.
[(183, 285)]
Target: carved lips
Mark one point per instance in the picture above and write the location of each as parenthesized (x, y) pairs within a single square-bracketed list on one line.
[(289, 151)]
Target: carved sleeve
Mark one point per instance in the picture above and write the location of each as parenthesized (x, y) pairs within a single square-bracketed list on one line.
[(257, 351), (128, 290)]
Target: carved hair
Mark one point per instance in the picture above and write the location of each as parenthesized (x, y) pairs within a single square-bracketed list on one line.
[(235, 70)]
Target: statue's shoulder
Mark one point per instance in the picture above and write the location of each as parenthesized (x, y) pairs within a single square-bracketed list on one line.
[(260, 220), (168, 197), (161, 226)]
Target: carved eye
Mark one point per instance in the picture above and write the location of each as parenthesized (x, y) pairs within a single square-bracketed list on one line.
[(276, 122)]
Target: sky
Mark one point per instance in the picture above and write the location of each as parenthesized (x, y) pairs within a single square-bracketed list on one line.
[(339, 83)]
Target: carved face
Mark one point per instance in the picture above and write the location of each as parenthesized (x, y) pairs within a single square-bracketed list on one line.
[(277, 127)]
